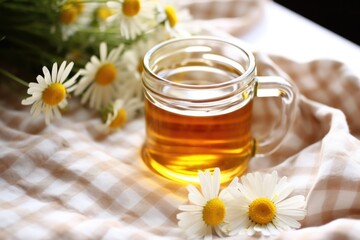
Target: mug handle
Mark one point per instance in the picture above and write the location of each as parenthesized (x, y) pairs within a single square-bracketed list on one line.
[(272, 86)]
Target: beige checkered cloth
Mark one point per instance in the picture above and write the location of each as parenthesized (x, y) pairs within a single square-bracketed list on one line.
[(69, 181)]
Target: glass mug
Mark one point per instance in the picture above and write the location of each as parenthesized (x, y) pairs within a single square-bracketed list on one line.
[(199, 95)]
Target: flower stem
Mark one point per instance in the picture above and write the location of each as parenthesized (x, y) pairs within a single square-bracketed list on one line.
[(13, 77)]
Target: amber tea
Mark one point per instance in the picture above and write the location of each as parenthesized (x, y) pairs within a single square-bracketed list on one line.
[(178, 146)]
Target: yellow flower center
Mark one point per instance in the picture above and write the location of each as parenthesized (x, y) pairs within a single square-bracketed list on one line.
[(214, 212), (131, 7), (70, 11), (171, 15), (106, 74), (54, 94), (104, 12), (262, 210), (119, 120)]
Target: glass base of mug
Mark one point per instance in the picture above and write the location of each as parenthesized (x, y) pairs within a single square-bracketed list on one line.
[(189, 174)]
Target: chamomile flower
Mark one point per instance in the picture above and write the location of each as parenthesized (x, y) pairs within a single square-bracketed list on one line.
[(173, 18), (122, 111), (260, 203), (49, 94), (133, 16), (74, 15), (102, 78), (208, 209)]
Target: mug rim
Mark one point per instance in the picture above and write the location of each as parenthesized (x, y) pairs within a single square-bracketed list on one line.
[(249, 72)]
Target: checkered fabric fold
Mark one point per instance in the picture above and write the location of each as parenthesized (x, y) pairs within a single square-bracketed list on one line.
[(68, 180)]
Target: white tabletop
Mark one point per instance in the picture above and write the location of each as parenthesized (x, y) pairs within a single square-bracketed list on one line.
[(283, 32)]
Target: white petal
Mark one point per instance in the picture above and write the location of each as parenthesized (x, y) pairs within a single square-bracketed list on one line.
[(246, 189), (54, 72), (82, 85), (205, 185), (103, 51), (220, 232), (87, 94), (297, 201), (238, 224), (107, 94), (36, 109), (106, 98), (272, 229), (61, 72), (234, 182), (118, 104), (291, 222), (66, 72), (71, 82), (282, 190), (111, 18), (199, 235), (189, 217), (208, 233), (186, 219), (40, 79), (190, 208), (94, 62), (269, 182), (297, 214), (35, 89), (48, 114), (251, 231), (124, 29), (57, 112), (98, 97), (235, 192), (72, 88), (195, 196), (70, 85), (121, 47), (231, 191), (63, 104), (82, 71), (37, 96), (262, 228), (47, 76), (281, 225), (114, 54), (259, 184), (28, 101), (94, 96), (215, 183), (196, 228)]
